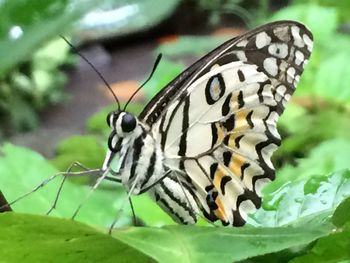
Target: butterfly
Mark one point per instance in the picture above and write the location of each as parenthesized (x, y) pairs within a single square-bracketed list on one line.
[(203, 144)]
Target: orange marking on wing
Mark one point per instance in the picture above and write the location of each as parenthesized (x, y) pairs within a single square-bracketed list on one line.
[(241, 121), (231, 141), (220, 172), (220, 212), (236, 164), (221, 133)]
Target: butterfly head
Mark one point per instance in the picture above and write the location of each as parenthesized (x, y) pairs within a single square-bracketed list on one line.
[(123, 124)]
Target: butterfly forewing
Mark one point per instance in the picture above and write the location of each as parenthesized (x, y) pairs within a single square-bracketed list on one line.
[(216, 123)]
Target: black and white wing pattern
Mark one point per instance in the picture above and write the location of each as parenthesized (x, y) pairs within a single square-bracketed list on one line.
[(216, 123)]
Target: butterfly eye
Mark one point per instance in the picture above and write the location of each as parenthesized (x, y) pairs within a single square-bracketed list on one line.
[(128, 122)]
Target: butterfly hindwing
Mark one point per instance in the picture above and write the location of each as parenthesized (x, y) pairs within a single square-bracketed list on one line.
[(216, 122)]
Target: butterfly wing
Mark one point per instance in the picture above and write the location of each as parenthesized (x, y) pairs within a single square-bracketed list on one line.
[(216, 122)]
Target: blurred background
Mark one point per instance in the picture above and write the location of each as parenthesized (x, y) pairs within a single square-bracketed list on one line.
[(52, 102)]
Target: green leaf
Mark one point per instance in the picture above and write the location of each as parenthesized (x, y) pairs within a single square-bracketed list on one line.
[(341, 214), (301, 201), (332, 248), (28, 238), (22, 170), (215, 244)]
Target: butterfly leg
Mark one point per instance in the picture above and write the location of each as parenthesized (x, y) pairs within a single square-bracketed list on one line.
[(45, 182), (86, 171), (129, 195), (155, 183), (102, 176)]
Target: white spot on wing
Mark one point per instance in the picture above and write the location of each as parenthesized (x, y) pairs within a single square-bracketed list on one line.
[(262, 39), (290, 74), (286, 99), (270, 65), (243, 43), (279, 50), (296, 36), (299, 57), (280, 91), (272, 124), (241, 55), (308, 42), (266, 153), (296, 80), (214, 66)]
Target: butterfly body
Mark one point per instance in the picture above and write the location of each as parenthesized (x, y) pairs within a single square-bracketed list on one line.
[(204, 143)]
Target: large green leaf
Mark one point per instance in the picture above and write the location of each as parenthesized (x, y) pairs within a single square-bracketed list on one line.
[(47, 239), (341, 214), (22, 170), (210, 244), (300, 201), (335, 247), (28, 238)]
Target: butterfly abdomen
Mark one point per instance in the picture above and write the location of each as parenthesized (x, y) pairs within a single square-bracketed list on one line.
[(176, 198)]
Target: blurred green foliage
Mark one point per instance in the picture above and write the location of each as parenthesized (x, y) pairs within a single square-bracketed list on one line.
[(32, 86), (301, 219), (30, 74)]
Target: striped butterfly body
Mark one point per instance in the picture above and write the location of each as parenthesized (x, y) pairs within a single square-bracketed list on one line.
[(204, 143)]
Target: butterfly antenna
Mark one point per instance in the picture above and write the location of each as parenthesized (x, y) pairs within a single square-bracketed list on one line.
[(149, 77), (93, 67)]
